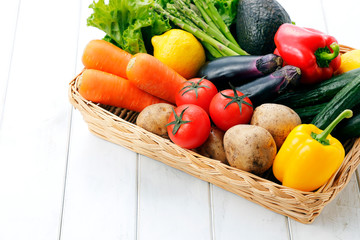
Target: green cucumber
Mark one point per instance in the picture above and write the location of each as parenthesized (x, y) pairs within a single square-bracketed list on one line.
[(319, 93), (349, 128), (347, 98), (308, 113)]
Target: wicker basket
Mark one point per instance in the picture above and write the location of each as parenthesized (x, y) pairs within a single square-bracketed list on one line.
[(117, 125)]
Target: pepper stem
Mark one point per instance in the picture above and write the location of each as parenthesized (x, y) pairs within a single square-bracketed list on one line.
[(330, 56), (322, 136), (324, 56)]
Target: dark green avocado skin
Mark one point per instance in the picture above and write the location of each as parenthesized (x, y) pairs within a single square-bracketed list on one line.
[(256, 24)]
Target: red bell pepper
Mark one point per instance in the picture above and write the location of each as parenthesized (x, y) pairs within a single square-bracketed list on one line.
[(314, 52)]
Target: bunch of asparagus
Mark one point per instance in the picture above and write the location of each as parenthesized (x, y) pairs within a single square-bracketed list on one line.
[(201, 18)]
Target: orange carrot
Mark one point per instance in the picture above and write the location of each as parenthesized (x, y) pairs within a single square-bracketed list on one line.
[(106, 88), (105, 56), (151, 75)]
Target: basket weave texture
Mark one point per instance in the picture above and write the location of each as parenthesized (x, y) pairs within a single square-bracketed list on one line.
[(117, 125)]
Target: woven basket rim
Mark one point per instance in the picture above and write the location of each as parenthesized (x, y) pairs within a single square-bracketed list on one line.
[(299, 205)]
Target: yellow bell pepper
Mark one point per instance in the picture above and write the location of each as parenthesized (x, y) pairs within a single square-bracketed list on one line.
[(309, 156)]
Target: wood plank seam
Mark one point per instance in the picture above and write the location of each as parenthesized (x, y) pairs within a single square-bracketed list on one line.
[(211, 209), (69, 130), (138, 179), (289, 229), (324, 16), (10, 65), (65, 174)]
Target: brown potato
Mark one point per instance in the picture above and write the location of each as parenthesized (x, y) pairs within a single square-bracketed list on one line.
[(154, 118), (249, 148), (214, 147), (278, 119)]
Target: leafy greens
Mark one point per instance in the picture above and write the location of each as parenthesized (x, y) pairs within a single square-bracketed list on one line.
[(227, 10), (130, 24)]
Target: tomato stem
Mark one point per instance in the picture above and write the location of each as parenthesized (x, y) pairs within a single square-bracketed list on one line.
[(178, 121), (193, 86), (236, 99)]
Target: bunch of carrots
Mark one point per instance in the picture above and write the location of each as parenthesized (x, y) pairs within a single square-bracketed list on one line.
[(114, 77)]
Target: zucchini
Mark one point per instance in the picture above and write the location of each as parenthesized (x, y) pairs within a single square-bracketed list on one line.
[(266, 88), (318, 93), (347, 98), (239, 69)]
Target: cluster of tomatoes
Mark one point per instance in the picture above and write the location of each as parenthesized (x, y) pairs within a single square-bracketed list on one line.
[(199, 103)]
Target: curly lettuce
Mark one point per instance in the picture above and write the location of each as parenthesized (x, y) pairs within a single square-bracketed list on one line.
[(128, 22), (227, 10)]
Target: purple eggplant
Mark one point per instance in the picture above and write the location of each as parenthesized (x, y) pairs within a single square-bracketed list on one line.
[(238, 70), (266, 88)]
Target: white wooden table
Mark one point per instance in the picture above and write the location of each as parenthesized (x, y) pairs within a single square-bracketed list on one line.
[(58, 181)]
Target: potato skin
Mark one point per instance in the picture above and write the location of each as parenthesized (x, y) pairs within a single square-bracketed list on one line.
[(154, 118), (278, 119), (250, 148), (214, 146)]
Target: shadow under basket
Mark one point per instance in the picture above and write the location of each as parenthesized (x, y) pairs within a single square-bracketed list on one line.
[(117, 125)]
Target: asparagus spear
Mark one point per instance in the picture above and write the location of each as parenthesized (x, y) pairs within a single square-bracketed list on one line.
[(214, 52), (180, 6), (206, 17), (215, 16), (203, 37), (214, 32), (211, 31)]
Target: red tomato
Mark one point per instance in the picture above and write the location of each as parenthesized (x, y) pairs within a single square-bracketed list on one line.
[(198, 91), (188, 126), (225, 109)]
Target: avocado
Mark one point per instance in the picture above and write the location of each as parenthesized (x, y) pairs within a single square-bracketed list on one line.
[(256, 24)]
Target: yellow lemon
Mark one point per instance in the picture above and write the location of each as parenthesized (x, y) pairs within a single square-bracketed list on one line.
[(180, 51), (349, 61)]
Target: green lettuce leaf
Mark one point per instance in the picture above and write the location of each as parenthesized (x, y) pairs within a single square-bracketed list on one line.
[(128, 22), (227, 10)]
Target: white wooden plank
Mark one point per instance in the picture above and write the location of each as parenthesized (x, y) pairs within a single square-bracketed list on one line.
[(101, 188), (236, 216), (34, 130), (8, 21), (340, 219), (101, 184), (173, 205)]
